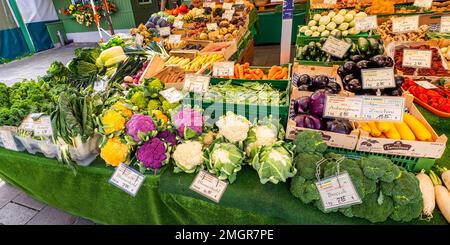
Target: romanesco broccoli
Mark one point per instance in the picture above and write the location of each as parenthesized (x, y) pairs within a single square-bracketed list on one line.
[(153, 87), (153, 104), (138, 99)]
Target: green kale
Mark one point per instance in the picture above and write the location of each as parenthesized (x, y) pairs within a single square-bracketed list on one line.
[(309, 141), (408, 212), (304, 190), (306, 164)]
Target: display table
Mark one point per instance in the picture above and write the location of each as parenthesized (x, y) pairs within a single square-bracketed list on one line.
[(166, 198)]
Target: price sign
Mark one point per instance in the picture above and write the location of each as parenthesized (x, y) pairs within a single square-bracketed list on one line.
[(416, 58), (139, 40), (172, 95), (405, 24), (239, 1), (43, 127), (382, 108), (366, 23), (329, 1), (378, 78), (336, 47), (343, 107), (228, 14), (100, 86), (337, 191), (423, 3), (445, 24), (211, 26), (227, 5), (7, 139), (209, 186), (221, 69), (178, 24), (127, 179), (426, 84), (164, 31), (174, 38), (196, 83), (276, 1), (209, 5)]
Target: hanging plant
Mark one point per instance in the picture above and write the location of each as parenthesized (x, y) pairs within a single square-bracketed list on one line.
[(84, 14)]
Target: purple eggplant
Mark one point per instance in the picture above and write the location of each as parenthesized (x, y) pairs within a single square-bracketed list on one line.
[(301, 105), (319, 82), (354, 85), (333, 88), (308, 121), (304, 79), (317, 103), (341, 126)]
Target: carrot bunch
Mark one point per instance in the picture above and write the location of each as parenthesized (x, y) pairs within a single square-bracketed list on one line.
[(243, 71)]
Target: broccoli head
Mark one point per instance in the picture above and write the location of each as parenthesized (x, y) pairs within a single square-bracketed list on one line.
[(309, 141), (306, 164), (408, 212), (153, 86), (304, 190), (375, 167), (153, 104), (403, 190), (393, 172), (138, 99), (375, 207)]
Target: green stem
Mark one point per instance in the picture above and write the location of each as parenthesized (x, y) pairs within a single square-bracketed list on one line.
[(434, 178)]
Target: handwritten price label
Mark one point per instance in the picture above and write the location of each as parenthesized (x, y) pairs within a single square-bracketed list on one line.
[(445, 24), (172, 95), (383, 108), (227, 6), (223, 69), (127, 179), (343, 107), (209, 186), (405, 24), (7, 139), (178, 24), (164, 31), (378, 78), (209, 5), (174, 38), (423, 3), (426, 84), (417, 58), (329, 1), (211, 26), (336, 47), (366, 23), (337, 191), (196, 83)]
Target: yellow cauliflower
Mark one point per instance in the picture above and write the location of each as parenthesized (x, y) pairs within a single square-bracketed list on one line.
[(112, 121), (120, 106), (114, 152)]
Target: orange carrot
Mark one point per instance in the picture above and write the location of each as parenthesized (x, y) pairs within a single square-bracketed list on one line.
[(271, 72), (236, 71), (254, 75), (241, 72), (282, 74), (264, 77), (248, 76)]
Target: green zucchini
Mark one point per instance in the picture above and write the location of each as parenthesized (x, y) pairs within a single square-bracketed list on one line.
[(374, 45), (363, 44)]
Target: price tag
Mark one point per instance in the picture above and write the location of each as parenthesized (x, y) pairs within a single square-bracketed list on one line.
[(209, 5), (100, 86), (426, 84), (383, 108), (164, 31), (445, 24), (343, 107), (329, 1), (405, 24), (416, 58), (211, 26), (43, 127), (175, 38), (127, 179), (178, 24), (366, 23), (139, 40), (227, 5), (423, 3), (221, 69), (7, 140), (228, 14), (196, 83), (378, 78), (209, 186), (336, 47), (239, 1), (172, 95), (337, 191)]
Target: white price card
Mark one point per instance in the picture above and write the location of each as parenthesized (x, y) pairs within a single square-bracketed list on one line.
[(221, 69), (405, 24), (276, 1), (127, 179), (7, 139), (164, 31), (209, 5), (209, 186), (383, 108), (378, 78), (366, 23), (196, 83), (416, 58), (336, 47), (239, 1), (178, 24), (43, 127), (423, 3), (426, 84), (228, 14), (139, 40), (343, 106), (227, 5), (445, 24), (337, 191), (172, 95), (211, 26), (175, 38), (100, 86), (329, 1)]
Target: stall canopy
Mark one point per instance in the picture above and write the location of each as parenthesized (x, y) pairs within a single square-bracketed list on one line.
[(12, 40)]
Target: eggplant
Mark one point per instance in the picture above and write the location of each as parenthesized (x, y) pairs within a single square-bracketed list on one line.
[(301, 105), (303, 87), (356, 58), (308, 121), (333, 88), (304, 79), (369, 92), (388, 62), (350, 66), (363, 64), (392, 91), (320, 82), (317, 102), (354, 85), (341, 71), (399, 80), (340, 126), (379, 60), (348, 78)]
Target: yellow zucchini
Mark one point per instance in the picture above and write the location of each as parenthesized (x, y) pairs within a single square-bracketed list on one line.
[(404, 131), (365, 127), (392, 133), (384, 126), (419, 130), (373, 129)]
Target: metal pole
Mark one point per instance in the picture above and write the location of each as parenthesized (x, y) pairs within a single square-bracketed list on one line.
[(286, 31)]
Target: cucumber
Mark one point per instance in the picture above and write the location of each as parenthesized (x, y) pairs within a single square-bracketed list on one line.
[(363, 44), (374, 45)]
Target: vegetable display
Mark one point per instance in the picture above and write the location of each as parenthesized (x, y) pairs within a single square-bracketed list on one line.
[(437, 68), (306, 82), (244, 71), (438, 98)]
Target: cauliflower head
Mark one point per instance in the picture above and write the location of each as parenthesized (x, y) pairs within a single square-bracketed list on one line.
[(114, 152), (188, 156), (233, 127)]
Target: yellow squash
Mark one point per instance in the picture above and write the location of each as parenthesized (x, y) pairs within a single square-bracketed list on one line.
[(419, 130)]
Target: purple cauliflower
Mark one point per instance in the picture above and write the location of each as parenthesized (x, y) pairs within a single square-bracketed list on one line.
[(188, 122), (152, 153), (168, 137), (139, 123)]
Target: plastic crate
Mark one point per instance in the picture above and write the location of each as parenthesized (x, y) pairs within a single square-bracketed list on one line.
[(413, 164)]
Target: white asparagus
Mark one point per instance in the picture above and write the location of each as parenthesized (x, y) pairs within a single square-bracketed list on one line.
[(428, 197)]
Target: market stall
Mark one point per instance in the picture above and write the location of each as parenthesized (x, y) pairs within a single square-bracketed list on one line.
[(171, 124)]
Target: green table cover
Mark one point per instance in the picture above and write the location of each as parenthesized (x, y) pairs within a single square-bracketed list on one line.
[(166, 198)]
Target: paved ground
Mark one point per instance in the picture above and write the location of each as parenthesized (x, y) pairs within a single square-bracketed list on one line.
[(16, 207)]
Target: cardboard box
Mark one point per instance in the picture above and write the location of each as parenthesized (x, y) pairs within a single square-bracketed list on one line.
[(178, 85), (185, 53), (227, 52), (409, 148), (155, 65)]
